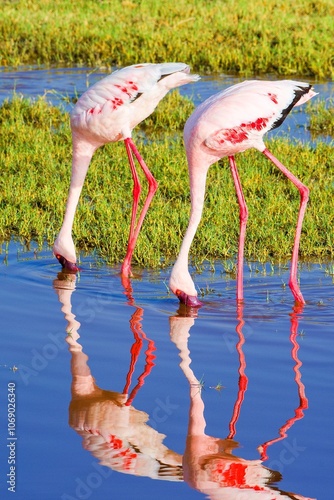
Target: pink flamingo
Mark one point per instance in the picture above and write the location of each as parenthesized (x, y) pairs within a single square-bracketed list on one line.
[(228, 123), (108, 112)]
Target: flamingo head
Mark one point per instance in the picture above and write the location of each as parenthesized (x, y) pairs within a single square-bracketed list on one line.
[(71, 267)]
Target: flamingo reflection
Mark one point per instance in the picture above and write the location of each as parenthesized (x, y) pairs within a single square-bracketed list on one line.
[(112, 429), (209, 464)]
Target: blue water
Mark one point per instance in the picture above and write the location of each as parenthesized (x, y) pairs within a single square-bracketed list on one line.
[(263, 374)]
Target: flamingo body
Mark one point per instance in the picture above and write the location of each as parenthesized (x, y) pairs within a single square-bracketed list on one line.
[(228, 123), (108, 112)]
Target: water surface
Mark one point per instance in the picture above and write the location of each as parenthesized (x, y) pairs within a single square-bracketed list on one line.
[(98, 380)]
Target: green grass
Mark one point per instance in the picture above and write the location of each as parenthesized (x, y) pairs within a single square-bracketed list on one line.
[(35, 163), (322, 117), (238, 36)]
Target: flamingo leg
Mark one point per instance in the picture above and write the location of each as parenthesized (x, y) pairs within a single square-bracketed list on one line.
[(243, 224), (153, 186), (304, 194)]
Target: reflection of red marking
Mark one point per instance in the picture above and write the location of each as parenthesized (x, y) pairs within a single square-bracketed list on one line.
[(273, 97), (127, 454), (94, 432), (235, 475), (115, 443)]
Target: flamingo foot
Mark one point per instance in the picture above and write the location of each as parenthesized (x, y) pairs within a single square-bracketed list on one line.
[(188, 300), (297, 294), (126, 270), (66, 264)]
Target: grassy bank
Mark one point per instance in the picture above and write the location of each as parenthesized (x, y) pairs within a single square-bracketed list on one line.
[(263, 36), (35, 160)]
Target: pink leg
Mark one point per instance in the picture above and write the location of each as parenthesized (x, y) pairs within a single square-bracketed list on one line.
[(304, 194), (243, 224), (153, 186)]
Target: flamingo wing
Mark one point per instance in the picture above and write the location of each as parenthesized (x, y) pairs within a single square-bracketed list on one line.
[(248, 110), (124, 86)]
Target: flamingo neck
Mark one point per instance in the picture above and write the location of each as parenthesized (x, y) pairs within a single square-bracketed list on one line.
[(80, 164)]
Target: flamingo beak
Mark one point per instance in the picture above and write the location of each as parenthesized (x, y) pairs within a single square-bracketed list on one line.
[(188, 300), (67, 265)]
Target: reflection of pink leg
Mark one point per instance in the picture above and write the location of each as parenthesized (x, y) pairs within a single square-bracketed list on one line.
[(303, 402), (304, 193), (135, 351), (147, 370), (139, 336), (153, 186), (243, 380), (243, 224)]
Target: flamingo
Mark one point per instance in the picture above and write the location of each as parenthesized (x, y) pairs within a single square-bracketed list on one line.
[(228, 123), (108, 112)]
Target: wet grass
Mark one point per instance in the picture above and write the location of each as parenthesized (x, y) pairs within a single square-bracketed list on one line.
[(237, 36), (35, 162)]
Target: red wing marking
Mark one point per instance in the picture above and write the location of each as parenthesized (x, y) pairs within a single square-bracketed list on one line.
[(94, 111), (133, 86), (123, 89), (259, 124), (273, 97), (116, 102), (235, 135)]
